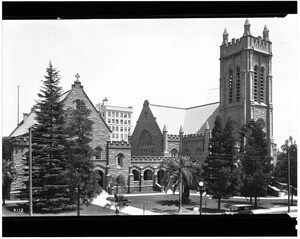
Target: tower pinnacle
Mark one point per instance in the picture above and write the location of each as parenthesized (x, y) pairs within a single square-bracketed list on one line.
[(225, 37), (247, 28), (266, 33)]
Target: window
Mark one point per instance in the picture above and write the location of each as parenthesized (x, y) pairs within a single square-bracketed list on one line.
[(125, 136), (125, 121), (129, 115), (128, 121), (230, 86), (121, 129), (174, 152), (117, 114), (108, 113), (255, 84), (117, 136), (113, 121), (125, 115), (117, 128), (121, 136), (108, 120), (113, 135), (77, 104), (146, 143), (121, 114), (117, 121), (136, 175), (113, 128), (98, 151), (120, 158), (238, 84), (148, 174), (113, 114), (262, 80), (121, 121), (125, 129)]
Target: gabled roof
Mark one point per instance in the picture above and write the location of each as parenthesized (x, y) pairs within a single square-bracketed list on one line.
[(23, 127), (193, 120)]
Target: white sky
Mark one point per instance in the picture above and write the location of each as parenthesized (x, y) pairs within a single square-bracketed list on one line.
[(171, 62)]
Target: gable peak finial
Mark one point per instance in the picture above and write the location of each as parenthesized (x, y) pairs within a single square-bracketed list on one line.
[(165, 128), (181, 130), (77, 77), (207, 125)]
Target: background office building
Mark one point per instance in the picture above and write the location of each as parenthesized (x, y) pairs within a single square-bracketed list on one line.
[(119, 120)]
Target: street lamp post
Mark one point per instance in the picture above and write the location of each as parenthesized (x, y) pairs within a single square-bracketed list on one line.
[(201, 190), (289, 179)]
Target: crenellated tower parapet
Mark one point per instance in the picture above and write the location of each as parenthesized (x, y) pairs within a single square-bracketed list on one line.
[(119, 144), (173, 137)]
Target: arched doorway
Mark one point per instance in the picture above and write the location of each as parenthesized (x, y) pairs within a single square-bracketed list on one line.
[(101, 180), (160, 175)]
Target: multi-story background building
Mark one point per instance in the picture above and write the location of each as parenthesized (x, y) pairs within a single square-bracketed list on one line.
[(119, 120)]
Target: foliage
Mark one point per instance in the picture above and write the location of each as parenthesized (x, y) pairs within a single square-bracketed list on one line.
[(8, 176), (256, 165), (177, 169), (48, 141), (80, 175), (117, 182), (118, 201), (221, 174)]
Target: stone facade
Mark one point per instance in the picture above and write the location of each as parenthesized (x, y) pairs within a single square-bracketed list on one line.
[(246, 80)]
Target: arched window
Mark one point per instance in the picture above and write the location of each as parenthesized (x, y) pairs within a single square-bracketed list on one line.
[(238, 84), (136, 175), (262, 84), (174, 152), (98, 151), (146, 143), (120, 158), (255, 84), (77, 104), (230, 86), (148, 175)]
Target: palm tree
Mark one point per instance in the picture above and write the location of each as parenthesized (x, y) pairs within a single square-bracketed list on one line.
[(179, 171), (118, 201)]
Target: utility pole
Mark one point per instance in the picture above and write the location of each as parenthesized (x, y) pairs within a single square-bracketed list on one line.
[(30, 172), (289, 178)]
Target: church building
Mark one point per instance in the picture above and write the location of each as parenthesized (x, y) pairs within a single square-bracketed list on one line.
[(164, 131)]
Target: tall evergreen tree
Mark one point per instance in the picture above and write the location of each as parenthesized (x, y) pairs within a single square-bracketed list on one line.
[(48, 141), (280, 172), (221, 174), (80, 174), (256, 165)]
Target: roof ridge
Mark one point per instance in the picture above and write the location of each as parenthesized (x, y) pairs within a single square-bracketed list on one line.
[(202, 105), (173, 107)]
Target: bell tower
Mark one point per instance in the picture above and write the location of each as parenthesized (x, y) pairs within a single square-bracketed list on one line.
[(246, 80)]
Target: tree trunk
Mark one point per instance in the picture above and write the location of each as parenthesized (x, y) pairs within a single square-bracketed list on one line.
[(251, 200), (117, 190), (186, 194), (3, 195), (219, 203), (255, 201), (78, 201), (180, 193)]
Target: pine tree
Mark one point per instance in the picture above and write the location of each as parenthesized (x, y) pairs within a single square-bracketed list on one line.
[(280, 172), (48, 141), (221, 174), (80, 174), (256, 165)]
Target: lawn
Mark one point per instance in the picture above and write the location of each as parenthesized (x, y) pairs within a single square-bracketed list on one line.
[(168, 203), (92, 210)]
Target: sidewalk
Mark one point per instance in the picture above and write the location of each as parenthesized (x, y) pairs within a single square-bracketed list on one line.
[(101, 201)]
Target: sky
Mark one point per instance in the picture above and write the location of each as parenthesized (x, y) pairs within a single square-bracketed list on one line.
[(173, 62)]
